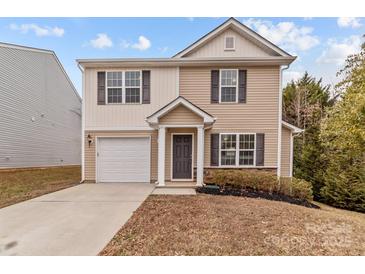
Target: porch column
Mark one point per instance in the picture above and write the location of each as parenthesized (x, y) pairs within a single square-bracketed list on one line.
[(161, 156), (200, 157)]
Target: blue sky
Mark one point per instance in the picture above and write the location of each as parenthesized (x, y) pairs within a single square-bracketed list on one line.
[(321, 44)]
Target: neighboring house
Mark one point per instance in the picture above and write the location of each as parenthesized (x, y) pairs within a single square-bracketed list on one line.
[(214, 105), (40, 110)]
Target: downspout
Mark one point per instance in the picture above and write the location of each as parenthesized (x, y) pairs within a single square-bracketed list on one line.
[(280, 117), (82, 124)]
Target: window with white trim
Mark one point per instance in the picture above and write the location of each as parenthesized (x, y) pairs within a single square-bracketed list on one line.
[(247, 149), (132, 86), (229, 43), (228, 149), (228, 85), (123, 87), (237, 149), (114, 85)]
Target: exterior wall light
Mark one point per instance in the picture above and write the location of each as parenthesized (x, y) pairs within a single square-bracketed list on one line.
[(90, 139)]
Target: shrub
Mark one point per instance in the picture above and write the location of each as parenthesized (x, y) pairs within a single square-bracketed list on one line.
[(261, 181)]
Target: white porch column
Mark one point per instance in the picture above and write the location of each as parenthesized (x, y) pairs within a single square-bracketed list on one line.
[(200, 157), (161, 156)]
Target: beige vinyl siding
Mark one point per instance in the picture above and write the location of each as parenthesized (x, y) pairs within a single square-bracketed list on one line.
[(103, 117), (285, 152), (168, 151), (90, 153), (243, 47), (181, 116), (258, 115)]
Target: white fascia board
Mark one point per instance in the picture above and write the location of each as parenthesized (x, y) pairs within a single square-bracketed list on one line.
[(294, 129), (180, 101)]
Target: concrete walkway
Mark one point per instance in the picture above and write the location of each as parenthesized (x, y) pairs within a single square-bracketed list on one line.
[(79, 220), (174, 191)]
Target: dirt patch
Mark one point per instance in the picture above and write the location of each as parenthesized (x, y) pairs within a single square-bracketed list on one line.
[(228, 225), (25, 184)]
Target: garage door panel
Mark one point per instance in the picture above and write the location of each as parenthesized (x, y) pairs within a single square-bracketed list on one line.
[(124, 160)]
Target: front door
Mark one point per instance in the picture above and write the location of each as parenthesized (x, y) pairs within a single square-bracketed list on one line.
[(182, 156)]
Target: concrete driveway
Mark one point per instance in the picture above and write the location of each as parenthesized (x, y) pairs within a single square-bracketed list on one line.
[(79, 220)]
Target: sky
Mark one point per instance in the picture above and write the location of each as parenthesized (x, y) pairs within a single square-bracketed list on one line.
[(320, 44)]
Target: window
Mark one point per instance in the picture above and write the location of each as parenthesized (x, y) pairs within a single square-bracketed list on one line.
[(228, 149), (246, 149), (229, 43), (228, 85), (114, 87), (132, 86), (123, 87), (237, 149)]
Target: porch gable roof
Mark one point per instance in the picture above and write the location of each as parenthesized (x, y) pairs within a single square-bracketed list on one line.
[(154, 118)]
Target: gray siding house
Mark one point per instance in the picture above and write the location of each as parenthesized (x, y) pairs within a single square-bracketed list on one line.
[(40, 110)]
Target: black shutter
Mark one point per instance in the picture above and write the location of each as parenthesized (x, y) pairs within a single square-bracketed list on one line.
[(101, 88), (260, 149), (214, 98), (242, 86), (146, 87), (214, 149)]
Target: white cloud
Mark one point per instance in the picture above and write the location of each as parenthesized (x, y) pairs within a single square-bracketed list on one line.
[(336, 52), (285, 34), (288, 76), (143, 43), (102, 41), (38, 30), (346, 22)]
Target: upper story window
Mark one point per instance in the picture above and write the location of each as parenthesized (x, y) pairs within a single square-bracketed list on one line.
[(237, 149), (228, 85), (123, 87), (132, 86), (229, 43), (114, 87)]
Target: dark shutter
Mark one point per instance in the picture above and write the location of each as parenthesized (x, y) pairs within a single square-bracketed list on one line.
[(146, 87), (214, 149), (101, 88), (242, 86), (214, 98), (260, 149)]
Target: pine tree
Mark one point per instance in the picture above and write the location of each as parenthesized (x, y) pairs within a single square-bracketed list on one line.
[(343, 138)]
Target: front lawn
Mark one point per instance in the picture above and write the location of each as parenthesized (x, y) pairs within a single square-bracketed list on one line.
[(226, 225), (20, 185)]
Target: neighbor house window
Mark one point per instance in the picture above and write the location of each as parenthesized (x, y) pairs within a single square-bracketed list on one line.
[(229, 43), (114, 81), (228, 85), (237, 149), (123, 87), (132, 86)]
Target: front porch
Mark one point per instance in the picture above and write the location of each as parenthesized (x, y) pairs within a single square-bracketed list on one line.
[(181, 128)]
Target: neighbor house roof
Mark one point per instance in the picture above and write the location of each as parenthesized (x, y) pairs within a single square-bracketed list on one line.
[(153, 118), (46, 51)]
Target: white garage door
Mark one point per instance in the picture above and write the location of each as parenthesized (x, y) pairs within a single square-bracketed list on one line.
[(123, 160)]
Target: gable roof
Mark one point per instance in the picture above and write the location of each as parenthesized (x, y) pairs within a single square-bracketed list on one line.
[(291, 127), (240, 28), (153, 118), (45, 51)]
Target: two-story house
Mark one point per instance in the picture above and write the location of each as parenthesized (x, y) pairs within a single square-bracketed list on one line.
[(215, 104)]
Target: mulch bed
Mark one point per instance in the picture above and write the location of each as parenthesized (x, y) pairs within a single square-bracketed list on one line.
[(216, 190)]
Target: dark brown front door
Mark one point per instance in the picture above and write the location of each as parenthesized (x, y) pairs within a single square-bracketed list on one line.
[(182, 156)]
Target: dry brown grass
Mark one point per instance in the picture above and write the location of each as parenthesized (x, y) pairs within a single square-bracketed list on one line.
[(20, 185), (226, 225)]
